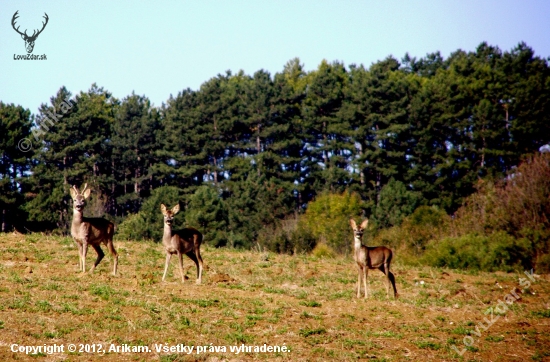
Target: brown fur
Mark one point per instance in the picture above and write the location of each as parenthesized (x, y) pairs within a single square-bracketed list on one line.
[(371, 257), (187, 241), (90, 231)]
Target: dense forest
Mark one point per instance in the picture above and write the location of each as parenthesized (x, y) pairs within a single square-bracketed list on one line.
[(247, 153)]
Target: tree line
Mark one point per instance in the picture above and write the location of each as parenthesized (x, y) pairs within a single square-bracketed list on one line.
[(246, 152)]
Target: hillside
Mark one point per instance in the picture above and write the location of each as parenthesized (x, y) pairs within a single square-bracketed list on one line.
[(252, 298)]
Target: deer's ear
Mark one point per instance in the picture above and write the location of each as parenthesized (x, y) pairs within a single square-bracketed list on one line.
[(176, 209), (163, 209), (364, 224), (73, 192), (353, 224), (86, 193)]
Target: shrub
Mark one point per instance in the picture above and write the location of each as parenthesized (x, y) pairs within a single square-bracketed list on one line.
[(498, 251), (481, 212), (543, 264), (302, 240), (425, 224), (275, 239), (520, 205), (289, 237), (132, 228), (322, 250), (327, 219), (525, 199), (148, 223)]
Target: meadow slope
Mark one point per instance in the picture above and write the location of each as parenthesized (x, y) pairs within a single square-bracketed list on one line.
[(254, 298)]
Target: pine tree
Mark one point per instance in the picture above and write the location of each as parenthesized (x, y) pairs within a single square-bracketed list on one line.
[(134, 146), (16, 147), (75, 149)]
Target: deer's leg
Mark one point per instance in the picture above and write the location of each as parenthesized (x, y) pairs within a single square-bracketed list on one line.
[(359, 273), (365, 274), (168, 256), (100, 255), (388, 280), (193, 257), (197, 246), (84, 253), (391, 278), (79, 246), (199, 264), (180, 260), (113, 252)]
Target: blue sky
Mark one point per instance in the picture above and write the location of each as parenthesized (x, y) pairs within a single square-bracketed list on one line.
[(160, 48)]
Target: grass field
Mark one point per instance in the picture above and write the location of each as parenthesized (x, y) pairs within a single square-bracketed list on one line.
[(248, 298)]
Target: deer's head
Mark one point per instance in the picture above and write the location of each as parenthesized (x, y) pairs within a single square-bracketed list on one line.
[(169, 214), (29, 40), (79, 197), (358, 230)]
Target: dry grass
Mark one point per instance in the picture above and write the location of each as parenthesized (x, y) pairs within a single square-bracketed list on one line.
[(250, 298)]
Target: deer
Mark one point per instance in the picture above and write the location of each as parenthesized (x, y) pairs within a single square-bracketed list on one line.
[(90, 231), (186, 241), (29, 40), (371, 257)]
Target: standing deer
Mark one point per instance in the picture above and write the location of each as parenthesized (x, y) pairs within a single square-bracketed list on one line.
[(371, 257), (90, 231), (187, 241)]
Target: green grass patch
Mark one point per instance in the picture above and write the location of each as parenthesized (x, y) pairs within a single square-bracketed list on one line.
[(545, 313), (311, 303), (306, 332), (428, 345)]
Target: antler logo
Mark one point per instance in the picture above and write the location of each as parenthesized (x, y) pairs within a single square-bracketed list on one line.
[(29, 40)]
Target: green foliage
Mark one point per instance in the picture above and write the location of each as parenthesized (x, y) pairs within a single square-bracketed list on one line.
[(134, 146), (133, 227), (254, 201), (74, 149), (322, 250), (15, 127), (519, 205), (327, 217), (306, 332), (206, 212), (525, 201), (396, 202), (425, 224), (398, 135), (148, 223), (545, 313), (498, 251), (302, 239), (289, 237)]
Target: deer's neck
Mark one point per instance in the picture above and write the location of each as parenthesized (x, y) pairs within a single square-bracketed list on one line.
[(357, 243), (77, 217), (167, 235)]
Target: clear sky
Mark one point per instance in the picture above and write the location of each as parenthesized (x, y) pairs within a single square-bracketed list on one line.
[(162, 47)]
